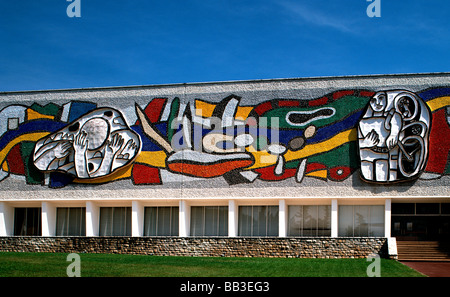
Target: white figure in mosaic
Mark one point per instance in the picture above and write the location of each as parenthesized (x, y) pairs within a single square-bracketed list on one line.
[(393, 137), (93, 146)]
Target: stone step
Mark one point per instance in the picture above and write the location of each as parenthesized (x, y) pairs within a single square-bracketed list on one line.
[(423, 251)]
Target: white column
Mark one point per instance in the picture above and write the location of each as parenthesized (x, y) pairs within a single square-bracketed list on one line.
[(48, 219), (6, 219), (137, 219), (92, 219), (184, 219), (282, 217), (334, 218), (387, 217), (233, 216)]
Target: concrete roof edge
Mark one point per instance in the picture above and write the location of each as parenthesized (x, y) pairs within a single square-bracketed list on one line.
[(131, 87)]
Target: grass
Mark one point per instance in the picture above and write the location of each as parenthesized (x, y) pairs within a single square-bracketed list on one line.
[(112, 265)]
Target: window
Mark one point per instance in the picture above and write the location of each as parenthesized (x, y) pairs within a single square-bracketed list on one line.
[(71, 221), (403, 208), (27, 221), (445, 208), (419, 209), (161, 221), (361, 220), (427, 208), (209, 220), (258, 220), (115, 221), (309, 220)]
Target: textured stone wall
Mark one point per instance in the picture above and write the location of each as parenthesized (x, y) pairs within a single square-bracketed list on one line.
[(203, 247)]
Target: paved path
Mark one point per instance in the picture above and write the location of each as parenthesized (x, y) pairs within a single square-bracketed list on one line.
[(432, 269)]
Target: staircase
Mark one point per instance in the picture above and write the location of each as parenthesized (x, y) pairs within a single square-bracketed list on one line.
[(423, 251)]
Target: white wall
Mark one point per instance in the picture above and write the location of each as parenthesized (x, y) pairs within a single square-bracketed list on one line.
[(6, 219), (334, 218), (48, 217), (387, 217), (137, 219), (233, 216), (92, 218), (282, 217), (184, 219)]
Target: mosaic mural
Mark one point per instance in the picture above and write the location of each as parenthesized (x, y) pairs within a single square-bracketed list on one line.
[(393, 137), (388, 136)]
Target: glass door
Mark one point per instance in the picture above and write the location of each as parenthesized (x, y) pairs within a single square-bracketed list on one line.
[(421, 227)]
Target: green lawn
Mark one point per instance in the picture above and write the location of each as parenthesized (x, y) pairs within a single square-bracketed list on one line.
[(113, 265)]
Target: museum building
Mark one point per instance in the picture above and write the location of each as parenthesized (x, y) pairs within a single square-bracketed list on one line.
[(326, 157)]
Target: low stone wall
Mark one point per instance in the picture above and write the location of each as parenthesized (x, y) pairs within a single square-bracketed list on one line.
[(323, 247)]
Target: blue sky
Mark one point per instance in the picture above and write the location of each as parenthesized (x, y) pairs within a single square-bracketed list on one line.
[(142, 42)]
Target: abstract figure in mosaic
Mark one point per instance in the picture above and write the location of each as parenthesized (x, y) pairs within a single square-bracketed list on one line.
[(393, 137), (95, 145), (197, 154)]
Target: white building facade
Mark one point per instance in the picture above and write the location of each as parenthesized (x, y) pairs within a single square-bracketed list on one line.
[(363, 156)]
